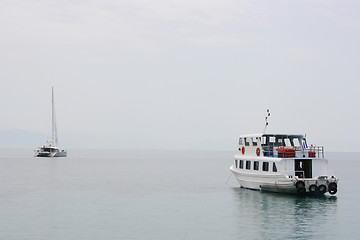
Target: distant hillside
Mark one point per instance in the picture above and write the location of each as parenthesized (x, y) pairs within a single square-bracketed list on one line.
[(21, 139)]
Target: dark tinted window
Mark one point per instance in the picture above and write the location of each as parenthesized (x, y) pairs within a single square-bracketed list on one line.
[(254, 141), (256, 165), (248, 164), (274, 167), (241, 164), (265, 166)]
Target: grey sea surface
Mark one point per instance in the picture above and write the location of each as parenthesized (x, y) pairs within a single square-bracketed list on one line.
[(118, 194)]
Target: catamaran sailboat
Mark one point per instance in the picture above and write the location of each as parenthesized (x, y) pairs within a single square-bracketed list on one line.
[(51, 149), (282, 163)]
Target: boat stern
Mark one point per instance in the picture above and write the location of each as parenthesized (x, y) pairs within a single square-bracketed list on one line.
[(319, 185)]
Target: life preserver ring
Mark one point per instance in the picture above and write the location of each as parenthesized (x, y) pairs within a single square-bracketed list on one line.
[(332, 188), (322, 188), (300, 187), (243, 150), (300, 184), (258, 152), (313, 188)]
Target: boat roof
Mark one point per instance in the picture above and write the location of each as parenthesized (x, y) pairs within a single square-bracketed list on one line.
[(50, 147), (252, 135), (269, 134)]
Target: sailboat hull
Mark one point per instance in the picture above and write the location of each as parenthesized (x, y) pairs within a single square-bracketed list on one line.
[(40, 153), (61, 154)]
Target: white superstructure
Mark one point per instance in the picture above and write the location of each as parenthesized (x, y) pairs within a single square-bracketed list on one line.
[(51, 149), (282, 163)]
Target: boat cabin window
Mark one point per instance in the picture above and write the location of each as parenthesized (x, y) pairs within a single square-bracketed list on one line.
[(296, 142), (241, 164), (281, 140), (265, 166), (49, 150), (274, 167), (256, 165), (235, 163), (287, 142), (240, 141), (248, 165), (247, 142), (254, 141)]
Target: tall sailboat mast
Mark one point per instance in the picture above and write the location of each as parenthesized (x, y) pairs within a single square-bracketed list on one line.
[(54, 129), (51, 149)]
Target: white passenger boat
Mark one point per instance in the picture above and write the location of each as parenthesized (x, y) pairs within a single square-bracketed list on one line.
[(282, 163), (51, 149)]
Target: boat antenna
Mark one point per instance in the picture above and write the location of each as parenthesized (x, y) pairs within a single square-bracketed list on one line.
[(266, 119)]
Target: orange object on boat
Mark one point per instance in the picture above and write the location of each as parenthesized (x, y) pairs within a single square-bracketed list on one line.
[(312, 154), (286, 152)]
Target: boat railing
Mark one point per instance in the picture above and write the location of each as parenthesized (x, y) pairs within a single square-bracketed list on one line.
[(293, 152)]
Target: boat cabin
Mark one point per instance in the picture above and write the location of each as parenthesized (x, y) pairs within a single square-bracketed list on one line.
[(278, 145), (287, 153), (49, 149)]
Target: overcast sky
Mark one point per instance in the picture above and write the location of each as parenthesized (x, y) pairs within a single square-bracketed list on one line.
[(189, 74)]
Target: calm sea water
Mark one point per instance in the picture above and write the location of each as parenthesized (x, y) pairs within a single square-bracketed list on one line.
[(163, 195)]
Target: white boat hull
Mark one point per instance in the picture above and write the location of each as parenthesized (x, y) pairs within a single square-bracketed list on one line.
[(50, 154), (60, 154), (277, 182), (271, 182)]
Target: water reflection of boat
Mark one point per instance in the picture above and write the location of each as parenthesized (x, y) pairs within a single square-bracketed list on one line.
[(51, 150), (285, 216), (282, 163)]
